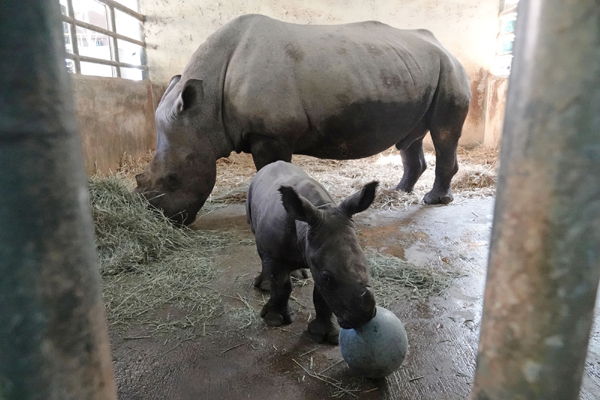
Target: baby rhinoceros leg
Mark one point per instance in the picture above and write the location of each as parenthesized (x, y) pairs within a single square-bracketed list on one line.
[(302, 273), (322, 328), (263, 283), (276, 312)]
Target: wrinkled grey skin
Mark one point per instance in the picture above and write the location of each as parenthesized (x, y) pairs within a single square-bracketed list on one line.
[(297, 224), (272, 88)]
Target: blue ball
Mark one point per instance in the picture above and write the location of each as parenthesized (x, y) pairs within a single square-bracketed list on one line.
[(377, 348)]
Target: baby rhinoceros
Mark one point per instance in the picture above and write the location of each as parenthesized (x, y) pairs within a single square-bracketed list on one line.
[(297, 224)]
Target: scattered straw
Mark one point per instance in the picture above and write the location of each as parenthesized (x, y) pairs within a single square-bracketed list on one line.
[(476, 177), (394, 278), (328, 380), (129, 165), (241, 318), (233, 347)]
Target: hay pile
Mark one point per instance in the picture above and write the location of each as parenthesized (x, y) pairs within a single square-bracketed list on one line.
[(128, 234), (153, 273)]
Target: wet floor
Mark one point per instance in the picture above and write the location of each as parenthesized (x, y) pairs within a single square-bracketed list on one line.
[(241, 358)]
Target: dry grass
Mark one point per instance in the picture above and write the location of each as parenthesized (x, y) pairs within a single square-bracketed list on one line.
[(129, 166), (153, 273), (128, 234), (394, 279), (476, 177)]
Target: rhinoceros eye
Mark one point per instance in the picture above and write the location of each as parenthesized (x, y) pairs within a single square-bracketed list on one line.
[(328, 281), (173, 181)]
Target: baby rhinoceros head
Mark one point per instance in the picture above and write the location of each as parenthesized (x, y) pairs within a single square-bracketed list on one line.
[(337, 263)]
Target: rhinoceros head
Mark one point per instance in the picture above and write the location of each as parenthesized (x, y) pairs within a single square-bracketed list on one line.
[(337, 263), (182, 173)]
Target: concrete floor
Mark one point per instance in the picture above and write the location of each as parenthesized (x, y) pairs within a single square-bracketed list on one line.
[(260, 362)]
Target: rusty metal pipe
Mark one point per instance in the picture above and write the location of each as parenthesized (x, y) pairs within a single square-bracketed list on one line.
[(544, 260), (53, 335)]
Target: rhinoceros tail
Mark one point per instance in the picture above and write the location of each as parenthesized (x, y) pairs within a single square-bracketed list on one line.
[(249, 208)]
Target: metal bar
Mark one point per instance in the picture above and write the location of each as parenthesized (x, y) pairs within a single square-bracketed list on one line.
[(73, 29), (509, 11), (144, 61), (102, 30), (115, 48), (124, 9), (544, 260), (53, 334), (104, 62)]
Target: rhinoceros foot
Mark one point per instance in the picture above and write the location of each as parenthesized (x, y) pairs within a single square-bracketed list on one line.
[(438, 197), (275, 317), (323, 331)]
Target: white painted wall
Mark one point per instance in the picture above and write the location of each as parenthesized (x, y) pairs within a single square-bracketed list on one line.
[(468, 28)]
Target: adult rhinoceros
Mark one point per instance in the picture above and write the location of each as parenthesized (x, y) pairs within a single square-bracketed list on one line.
[(274, 89)]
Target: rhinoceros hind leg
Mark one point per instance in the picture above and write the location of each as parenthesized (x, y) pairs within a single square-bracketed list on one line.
[(320, 331), (262, 283), (276, 311), (446, 166), (323, 328), (301, 273), (413, 161), (448, 115)]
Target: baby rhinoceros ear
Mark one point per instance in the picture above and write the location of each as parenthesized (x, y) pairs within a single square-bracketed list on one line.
[(359, 201), (298, 207)]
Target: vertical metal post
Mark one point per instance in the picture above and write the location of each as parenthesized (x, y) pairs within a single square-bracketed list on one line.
[(544, 261), (53, 336), (74, 41), (113, 22)]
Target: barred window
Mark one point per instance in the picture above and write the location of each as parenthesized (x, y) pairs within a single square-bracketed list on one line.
[(104, 38), (506, 38)]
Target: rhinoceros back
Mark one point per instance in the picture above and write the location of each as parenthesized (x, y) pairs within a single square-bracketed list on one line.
[(267, 217), (331, 91)]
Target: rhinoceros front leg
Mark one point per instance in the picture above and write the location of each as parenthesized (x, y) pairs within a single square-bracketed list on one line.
[(446, 165), (276, 312), (266, 150), (322, 328)]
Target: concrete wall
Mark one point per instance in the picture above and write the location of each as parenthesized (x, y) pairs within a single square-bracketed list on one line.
[(115, 116), (468, 28), (496, 104)]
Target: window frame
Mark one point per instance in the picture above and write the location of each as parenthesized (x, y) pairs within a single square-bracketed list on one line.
[(112, 33), (505, 37)]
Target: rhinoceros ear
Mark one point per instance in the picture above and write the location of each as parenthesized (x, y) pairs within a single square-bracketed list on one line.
[(298, 207), (191, 95), (359, 201), (173, 82)]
